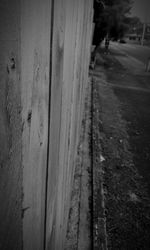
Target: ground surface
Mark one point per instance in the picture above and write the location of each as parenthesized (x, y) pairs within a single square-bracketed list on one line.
[(123, 100), (135, 50), (119, 215)]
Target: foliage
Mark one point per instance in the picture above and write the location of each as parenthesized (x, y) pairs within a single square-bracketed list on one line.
[(111, 18), (135, 25)]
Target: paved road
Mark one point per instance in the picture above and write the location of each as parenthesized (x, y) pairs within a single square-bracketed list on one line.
[(133, 91), (122, 91), (137, 51)]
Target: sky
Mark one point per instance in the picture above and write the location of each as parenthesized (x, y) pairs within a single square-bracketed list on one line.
[(141, 8)]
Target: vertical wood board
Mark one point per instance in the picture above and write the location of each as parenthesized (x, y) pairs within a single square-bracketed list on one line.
[(35, 52)]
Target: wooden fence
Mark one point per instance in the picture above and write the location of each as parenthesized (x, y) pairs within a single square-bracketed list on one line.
[(55, 49), (45, 53)]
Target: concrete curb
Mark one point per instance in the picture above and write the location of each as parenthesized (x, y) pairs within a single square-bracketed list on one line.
[(98, 194)]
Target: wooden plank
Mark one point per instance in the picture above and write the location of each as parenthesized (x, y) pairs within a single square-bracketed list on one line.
[(69, 67), (64, 186), (10, 127), (35, 51), (55, 120)]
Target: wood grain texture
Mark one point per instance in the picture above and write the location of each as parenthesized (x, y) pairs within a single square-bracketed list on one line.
[(35, 52), (55, 52), (70, 61), (10, 127)]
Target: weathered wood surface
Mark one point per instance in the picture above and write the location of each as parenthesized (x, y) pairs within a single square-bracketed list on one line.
[(44, 59), (71, 52), (54, 71), (10, 127), (35, 53)]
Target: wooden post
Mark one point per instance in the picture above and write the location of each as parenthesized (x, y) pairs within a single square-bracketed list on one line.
[(143, 34)]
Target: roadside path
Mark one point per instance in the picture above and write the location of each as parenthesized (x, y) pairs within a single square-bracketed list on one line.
[(141, 53), (123, 122)]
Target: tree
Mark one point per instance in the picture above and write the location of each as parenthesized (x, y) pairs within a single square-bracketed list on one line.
[(135, 25), (111, 18)]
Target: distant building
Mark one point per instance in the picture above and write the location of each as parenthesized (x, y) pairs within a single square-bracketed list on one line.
[(135, 37), (136, 33), (147, 32)]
